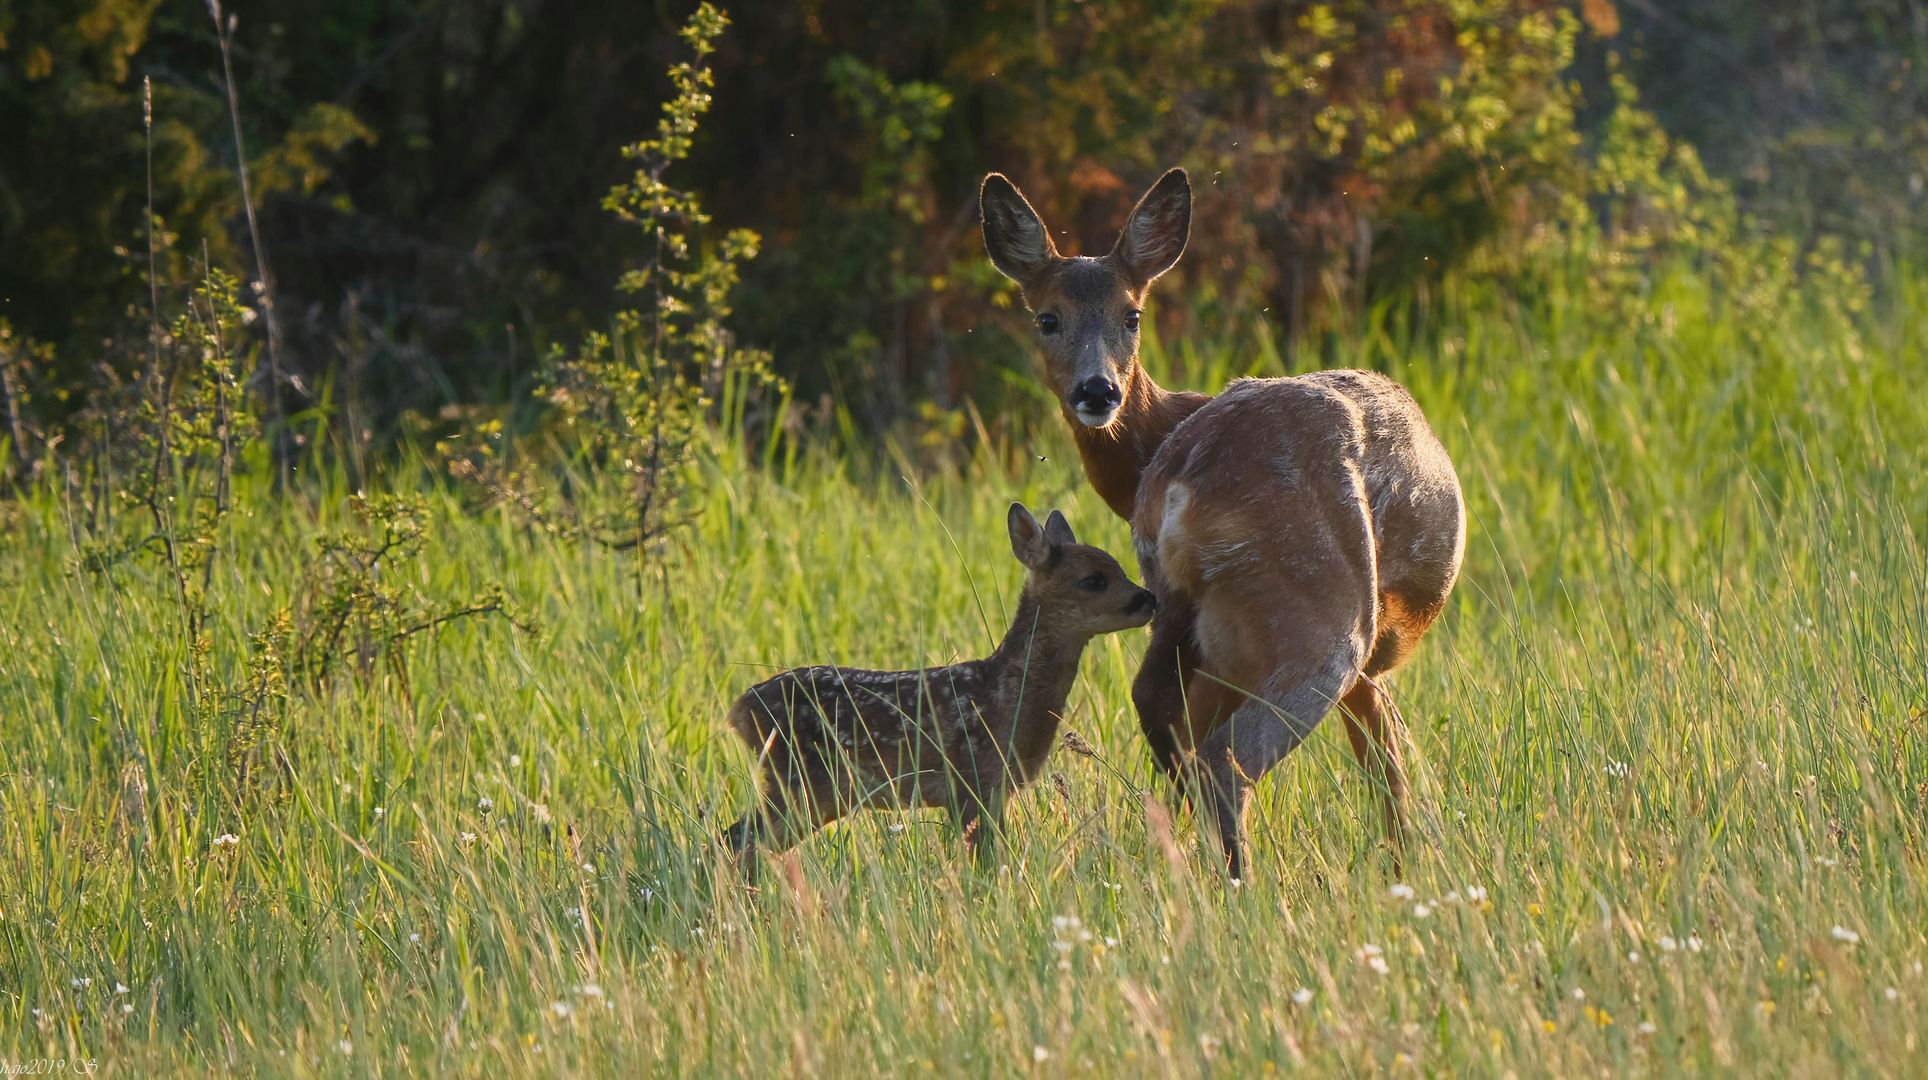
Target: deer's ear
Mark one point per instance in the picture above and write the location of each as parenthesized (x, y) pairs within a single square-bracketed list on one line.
[(1027, 538), (1157, 229), (1057, 531), (1014, 235)]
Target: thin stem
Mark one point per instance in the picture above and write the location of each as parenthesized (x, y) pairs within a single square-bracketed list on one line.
[(224, 28)]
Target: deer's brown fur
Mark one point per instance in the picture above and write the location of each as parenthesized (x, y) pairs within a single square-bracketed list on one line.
[(830, 740), (1301, 534)]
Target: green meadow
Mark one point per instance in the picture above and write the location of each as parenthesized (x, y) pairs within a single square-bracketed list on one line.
[(1669, 746)]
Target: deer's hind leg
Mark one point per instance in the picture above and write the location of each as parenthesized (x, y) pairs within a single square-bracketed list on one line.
[(1372, 722), (1259, 733), (1375, 739), (801, 794)]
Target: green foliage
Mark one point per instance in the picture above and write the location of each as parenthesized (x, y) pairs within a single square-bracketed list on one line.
[(358, 603), (637, 402), (176, 443), (426, 173)]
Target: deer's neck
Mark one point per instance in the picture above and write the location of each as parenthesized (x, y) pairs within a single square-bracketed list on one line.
[(1115, 456), (1033, 670)]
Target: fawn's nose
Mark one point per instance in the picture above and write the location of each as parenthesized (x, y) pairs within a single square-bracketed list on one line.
[(1142, 603), (1097, 395)]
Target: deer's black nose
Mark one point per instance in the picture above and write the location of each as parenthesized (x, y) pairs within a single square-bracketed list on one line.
[(1144, 601), (1096, 395)]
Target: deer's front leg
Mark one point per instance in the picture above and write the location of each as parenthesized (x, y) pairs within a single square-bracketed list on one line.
[(1159, 691)]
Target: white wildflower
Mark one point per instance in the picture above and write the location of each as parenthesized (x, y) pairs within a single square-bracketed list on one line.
[(1039, 1053), (588, 868), (1845, 935), (120, 988), (1666, 943), (1302, 996), (1476, 893), (1373, 957), (414, 937), (1402, 891), (485, 804), (468, 838), (1891, 993), (1422, 911), (1647, 1027), (1579, 994), (1617, 768), (227, 840), (345, 1048), (1693, 943), (515, 761), (590, 990), (1451, 897), (80, 984), (560, 1008), (379, 812), (1634, 957)]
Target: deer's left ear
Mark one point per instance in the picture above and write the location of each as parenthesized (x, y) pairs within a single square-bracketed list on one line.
[(1057, 531), (1027, 538), (1156, 231)]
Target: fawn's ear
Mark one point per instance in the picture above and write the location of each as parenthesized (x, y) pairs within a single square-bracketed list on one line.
[(1014, 235), (1027, 538), (1156, 231), (1057, 531)]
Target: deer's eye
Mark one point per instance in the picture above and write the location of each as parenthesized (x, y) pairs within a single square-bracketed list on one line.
[(1048, 323), (1131, 321), (1094, 583)]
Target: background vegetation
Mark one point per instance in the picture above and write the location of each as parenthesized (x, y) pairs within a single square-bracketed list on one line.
[(360, 695), (429, 174)]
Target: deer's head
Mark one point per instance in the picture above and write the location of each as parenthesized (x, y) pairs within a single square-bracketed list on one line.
[(1087, 310)]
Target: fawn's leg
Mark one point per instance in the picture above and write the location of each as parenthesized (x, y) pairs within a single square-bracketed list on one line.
[(799, 797), (980, 817)]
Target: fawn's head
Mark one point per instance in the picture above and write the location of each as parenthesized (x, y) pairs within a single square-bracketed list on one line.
[(1079, 589), (1088, 309)]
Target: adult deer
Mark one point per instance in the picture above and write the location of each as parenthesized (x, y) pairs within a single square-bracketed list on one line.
[(1300, 534)]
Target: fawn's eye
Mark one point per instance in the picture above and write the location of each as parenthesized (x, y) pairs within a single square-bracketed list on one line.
[(1094, 583), (1048, 323), (1131, 321)]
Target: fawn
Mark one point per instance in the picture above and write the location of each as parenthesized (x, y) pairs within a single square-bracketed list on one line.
[(1300, 534), (832, 740)]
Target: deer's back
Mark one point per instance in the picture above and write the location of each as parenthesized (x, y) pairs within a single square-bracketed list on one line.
[(1277, 470)]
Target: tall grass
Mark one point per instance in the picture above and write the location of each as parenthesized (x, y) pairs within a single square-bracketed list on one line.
[(1667, 745)]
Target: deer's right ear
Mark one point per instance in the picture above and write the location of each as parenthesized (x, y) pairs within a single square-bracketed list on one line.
[(1014, 235), (1027, 538)]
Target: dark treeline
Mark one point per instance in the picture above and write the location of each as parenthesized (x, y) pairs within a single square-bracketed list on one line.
[(430, 177)]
